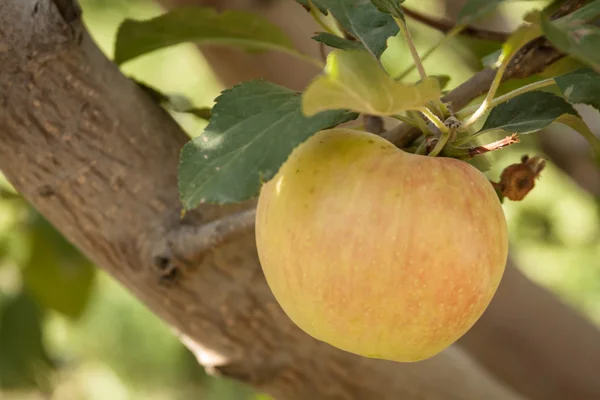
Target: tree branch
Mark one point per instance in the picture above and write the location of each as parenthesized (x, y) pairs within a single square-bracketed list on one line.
[(527, 337), (445, 26), (74, 125), (532, 59), (187, 244)]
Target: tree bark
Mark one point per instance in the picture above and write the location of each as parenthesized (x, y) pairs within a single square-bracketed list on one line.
[(98, 158), (527, 338)]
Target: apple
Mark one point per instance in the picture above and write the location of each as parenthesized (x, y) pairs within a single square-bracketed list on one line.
[(377, 251)]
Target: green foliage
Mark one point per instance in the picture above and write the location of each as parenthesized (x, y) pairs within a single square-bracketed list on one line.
[(356, 81), (361, 19), (581, 87), (474, 9), (527, 113), (56, 274), (575, 35), (198, 25), (24, 361), (392, 7), (178, 103), (443, 80), (316, 3), (254, 128), (337, 42)]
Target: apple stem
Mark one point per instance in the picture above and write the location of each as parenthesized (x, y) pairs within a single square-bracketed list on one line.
[(439, 146), (435, 120)]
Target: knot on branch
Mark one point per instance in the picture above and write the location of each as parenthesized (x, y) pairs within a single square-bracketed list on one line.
[(186, 245), (69, 10)]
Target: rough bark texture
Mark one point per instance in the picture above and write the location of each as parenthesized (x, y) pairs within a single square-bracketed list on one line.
[(98, 158), (527, 337)]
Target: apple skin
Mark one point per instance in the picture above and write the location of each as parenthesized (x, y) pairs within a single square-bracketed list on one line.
[(380, 252)]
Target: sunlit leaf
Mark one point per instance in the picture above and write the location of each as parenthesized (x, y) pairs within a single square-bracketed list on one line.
[(24, 361), (254, 128), (56, 274), (202, 26), (443, 80), (527, 113), (574, 35), (337, 42), (581, 87), (354, 80), (361, 19)]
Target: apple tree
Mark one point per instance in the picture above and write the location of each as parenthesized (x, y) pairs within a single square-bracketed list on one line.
[(340, 240)]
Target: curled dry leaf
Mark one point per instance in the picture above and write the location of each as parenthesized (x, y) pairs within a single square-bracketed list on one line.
[(517, 180)]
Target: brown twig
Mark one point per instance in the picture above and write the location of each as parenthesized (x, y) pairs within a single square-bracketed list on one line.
[(497, 145), (465, 153), (374, 124), (445, 26)]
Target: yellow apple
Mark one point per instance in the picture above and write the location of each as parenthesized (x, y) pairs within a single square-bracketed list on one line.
[(377, 251)]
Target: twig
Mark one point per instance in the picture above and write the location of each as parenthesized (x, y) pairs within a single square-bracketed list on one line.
[(530, 60), (374, 124), (189, 243), (497, 145), (445, 26)]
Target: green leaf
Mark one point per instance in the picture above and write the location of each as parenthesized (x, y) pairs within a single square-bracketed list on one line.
[(391, 7), (526, 113), (202, 26), (581, 87), (24, 361), (175, 103), (364, 21), (354, 80), (475, 9), (56, 274), (443, 80), (316, 3), (337, 42), (254, 128), (574, 35)]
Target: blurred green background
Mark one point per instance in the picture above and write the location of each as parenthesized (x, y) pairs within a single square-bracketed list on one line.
[(70, 332)]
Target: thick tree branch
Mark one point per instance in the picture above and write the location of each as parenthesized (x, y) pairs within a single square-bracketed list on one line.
[(535, 343), (527, 337), (189, 243), (106, 158), (445, 26)]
